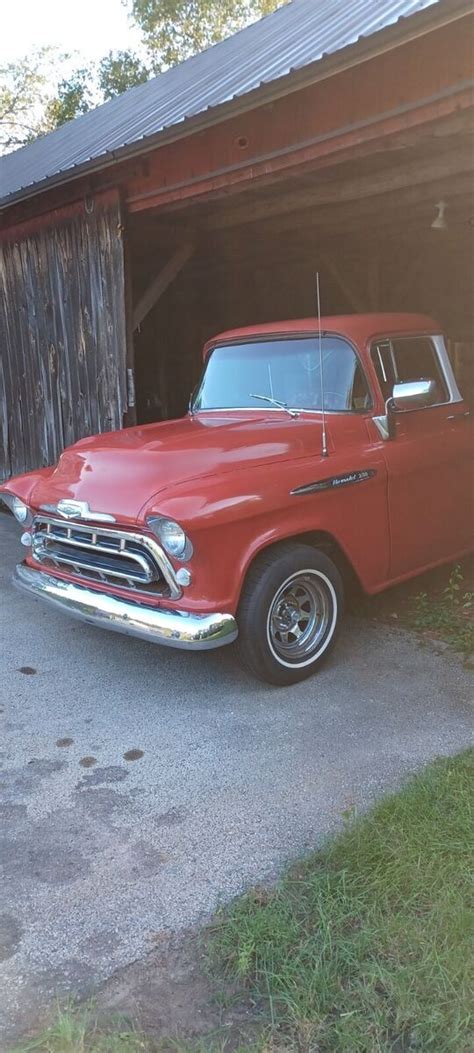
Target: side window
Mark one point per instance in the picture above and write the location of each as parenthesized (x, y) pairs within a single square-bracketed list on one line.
[(383, 360), (360, 399), (408, 358)]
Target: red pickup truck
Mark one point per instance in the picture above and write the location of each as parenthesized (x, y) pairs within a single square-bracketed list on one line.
[(310, 452)]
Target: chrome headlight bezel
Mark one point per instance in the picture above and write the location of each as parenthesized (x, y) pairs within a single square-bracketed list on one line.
[(18, 508), (172, 537)]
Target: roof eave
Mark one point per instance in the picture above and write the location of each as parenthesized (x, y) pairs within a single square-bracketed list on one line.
[(401, 32)]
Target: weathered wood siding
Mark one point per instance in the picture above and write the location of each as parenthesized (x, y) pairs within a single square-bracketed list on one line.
[(62, 334)]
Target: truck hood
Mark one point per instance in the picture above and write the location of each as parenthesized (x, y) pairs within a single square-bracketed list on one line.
[(120, 472)]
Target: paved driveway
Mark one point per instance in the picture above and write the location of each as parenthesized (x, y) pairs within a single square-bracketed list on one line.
[(204, 781)]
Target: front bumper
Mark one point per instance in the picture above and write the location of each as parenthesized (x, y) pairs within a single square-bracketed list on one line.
[(194, 632)]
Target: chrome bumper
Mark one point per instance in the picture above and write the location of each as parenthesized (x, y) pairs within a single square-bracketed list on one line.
[(195, 632)]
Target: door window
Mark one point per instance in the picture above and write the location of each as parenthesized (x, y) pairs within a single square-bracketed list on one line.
[(408, 358)]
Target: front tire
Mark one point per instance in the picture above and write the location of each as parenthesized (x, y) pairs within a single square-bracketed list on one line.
[(289, 613)]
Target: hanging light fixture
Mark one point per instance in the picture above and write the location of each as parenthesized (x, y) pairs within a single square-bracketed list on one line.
[(439, 222)]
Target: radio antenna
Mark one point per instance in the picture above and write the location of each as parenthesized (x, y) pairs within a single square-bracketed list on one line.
[(324, 450)]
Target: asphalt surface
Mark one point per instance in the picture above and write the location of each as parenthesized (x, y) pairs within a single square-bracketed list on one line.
[(230, 779)]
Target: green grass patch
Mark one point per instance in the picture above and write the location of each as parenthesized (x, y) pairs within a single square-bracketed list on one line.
[(367, 946), (79, 1030), (449, 615)]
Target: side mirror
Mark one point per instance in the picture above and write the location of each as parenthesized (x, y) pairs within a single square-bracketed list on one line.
[(413, 394)]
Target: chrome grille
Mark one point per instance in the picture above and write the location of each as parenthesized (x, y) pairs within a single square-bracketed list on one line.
[(108, 556)]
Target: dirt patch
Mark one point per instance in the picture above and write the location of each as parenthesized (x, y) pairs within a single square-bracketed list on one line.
[(169, 994), (131, 755)]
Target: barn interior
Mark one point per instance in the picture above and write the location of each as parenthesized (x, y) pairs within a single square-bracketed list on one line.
[(388, 231)]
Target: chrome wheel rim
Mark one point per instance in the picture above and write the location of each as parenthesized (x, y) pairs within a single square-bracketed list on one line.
[(300, 617)]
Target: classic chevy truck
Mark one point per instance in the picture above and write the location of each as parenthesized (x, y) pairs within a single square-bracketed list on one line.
[(311, 452)]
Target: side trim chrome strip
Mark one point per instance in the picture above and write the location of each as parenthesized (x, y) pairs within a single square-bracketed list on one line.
[(334, 482), (182, 629)]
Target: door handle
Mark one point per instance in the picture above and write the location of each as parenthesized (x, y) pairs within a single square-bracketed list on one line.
[(458, 416)]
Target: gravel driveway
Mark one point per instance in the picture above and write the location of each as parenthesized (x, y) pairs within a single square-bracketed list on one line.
[(140, 787)]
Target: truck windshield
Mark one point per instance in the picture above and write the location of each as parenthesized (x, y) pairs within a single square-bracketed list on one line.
[(286, 371)]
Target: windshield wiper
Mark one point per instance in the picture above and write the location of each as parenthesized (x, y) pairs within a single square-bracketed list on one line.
[(275, 402)]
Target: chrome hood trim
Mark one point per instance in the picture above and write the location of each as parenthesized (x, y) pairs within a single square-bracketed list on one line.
[(77, 510)]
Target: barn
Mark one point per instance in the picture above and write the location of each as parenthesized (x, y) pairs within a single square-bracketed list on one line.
[(330, 137)]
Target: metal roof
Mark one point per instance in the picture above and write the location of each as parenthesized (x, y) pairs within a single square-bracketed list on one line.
[(292, 37)]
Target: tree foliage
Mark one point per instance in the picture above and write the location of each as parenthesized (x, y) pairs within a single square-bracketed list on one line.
[(175, 29), (74, 96), (34, 100), (119, 71), (23, 98)]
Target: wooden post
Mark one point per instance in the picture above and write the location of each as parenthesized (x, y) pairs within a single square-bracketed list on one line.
[(130, 417), (373, 281)]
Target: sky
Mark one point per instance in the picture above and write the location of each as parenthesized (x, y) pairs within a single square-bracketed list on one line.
[(90, 27)]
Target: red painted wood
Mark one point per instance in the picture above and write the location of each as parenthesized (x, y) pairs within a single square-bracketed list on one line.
[(58, 216), (335, 110), (388, 94)]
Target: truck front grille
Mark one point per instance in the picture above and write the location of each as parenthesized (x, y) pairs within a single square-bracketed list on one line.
[(105, 556)]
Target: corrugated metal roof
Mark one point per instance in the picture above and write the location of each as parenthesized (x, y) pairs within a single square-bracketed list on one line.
[(293, 36)]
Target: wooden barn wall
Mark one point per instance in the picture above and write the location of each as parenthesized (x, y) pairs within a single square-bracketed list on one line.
[(62, 334)]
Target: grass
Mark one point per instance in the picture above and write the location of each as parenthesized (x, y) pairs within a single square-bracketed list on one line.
[(82, 1030), (79, 1030), (450, 614), (365, 947), (444, 609)]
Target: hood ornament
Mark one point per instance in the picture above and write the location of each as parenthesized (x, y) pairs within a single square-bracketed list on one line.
[(80, 510)]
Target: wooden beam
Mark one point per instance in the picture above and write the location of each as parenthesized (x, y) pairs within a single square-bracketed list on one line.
[(340, 277), (418, 173), (159, 284), (372, 215)]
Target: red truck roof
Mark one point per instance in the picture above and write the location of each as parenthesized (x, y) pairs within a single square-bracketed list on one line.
[(358, 327)]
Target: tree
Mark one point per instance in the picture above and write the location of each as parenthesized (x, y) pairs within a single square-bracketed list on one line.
[(23, 97), (33, 101), (175, 29), (74, 96), (119, 71)]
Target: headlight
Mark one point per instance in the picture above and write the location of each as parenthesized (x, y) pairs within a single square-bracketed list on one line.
[(20, 510), (173, 538)]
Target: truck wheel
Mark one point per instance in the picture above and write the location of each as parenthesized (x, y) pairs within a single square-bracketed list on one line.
[(289, 613)]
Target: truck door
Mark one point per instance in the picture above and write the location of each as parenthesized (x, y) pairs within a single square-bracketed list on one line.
[(429, 461)]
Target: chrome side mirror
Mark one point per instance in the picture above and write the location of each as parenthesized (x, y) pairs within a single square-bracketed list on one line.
[(413, 394)]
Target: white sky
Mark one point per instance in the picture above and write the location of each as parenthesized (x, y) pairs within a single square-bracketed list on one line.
[(90, 27)]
